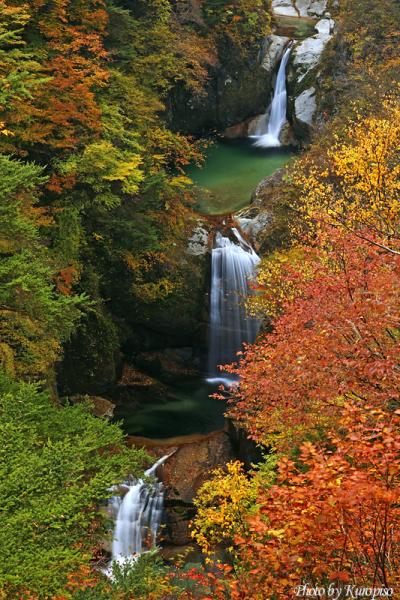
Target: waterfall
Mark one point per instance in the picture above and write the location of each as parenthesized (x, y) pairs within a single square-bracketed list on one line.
[(268, 137), (233, 263), (137, 516)]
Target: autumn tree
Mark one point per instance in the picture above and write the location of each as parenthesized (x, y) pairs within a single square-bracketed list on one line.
[(333, 516)]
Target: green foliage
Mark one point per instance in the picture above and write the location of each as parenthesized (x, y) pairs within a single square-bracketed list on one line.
[(144, 578), (34, 317), (100, 166), (20, 72), (243, 22), (57, 465)]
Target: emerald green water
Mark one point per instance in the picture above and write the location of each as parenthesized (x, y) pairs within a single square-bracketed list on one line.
[(298, 28), (187, 409), (232, 170)]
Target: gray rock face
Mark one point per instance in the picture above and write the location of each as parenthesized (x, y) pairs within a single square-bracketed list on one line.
[(257, 220), (253, 227), (306, 107), (272, 51), (303, 76), (285, 8), (307, 54), (325, 27), (311, 8), (198, 243), (299, 8)]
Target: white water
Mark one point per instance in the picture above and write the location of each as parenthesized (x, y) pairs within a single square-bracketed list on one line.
[(137, 517), (233, 264), (268, 136)]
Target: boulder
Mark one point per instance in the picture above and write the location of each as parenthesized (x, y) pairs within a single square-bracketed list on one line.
[(272, 51), (311, 8), (285, 8), (264, 220), (169, 364), (305, 107), (190, 466), (325, 27), (299, 8), (198, 243), (303, 73), (253, 227), (183, 474)]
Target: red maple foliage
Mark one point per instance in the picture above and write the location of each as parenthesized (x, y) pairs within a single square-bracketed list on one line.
[(338, 339)]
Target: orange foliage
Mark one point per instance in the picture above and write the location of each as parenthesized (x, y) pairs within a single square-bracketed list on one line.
[(65, 113), (332, 519), (65, 280)]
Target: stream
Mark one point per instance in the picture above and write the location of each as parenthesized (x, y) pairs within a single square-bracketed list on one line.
[(223, 185)]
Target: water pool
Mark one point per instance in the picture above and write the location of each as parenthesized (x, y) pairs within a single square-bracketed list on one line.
[(231, 171)]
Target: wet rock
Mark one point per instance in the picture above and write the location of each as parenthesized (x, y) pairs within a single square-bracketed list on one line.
[(189, 467), (183, 474), (286, 136), (169, 364), (264, 221), (240, 130), (273, 49), (253, 227)]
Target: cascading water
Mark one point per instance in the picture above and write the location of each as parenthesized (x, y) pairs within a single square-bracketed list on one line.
[(233, 264), (268, 136), (137, 516)]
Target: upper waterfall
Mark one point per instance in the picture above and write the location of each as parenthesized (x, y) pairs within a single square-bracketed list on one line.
[(233, 264), (268, 136)]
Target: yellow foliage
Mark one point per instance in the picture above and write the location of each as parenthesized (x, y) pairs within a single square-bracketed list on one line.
[(4, 130), (358, 187), (275, 288), (7, 359), (154, 291), (222, 505)]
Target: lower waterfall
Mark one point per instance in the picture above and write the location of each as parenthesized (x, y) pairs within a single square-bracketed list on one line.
[(268, 136), (234, 262), (137, 516)]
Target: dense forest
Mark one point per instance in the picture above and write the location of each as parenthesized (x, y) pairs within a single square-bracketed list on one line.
[(96, 209)]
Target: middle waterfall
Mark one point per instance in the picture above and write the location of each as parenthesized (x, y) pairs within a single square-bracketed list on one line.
[(269, 138), (233, 263)]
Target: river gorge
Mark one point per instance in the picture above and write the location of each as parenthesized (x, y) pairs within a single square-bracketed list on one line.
[(177, 416)]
